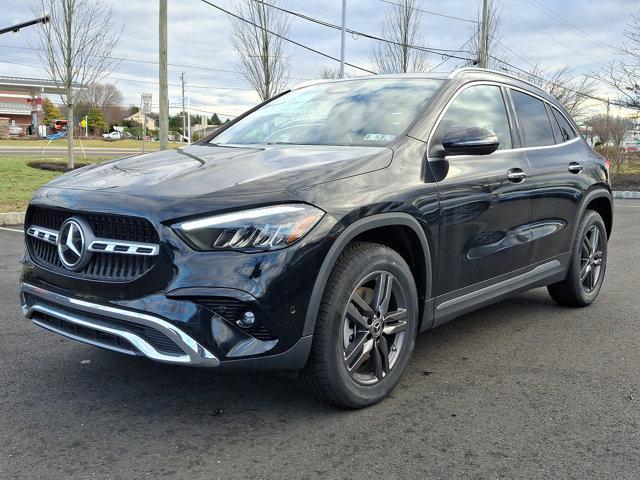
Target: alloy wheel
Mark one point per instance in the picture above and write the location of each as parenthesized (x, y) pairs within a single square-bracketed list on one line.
[(374, 327), (591, 259)]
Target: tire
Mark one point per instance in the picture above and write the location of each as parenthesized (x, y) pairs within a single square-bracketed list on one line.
[(332, 373), (576, 290)]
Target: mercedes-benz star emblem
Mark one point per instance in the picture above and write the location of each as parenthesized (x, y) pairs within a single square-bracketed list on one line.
[(72, 244)]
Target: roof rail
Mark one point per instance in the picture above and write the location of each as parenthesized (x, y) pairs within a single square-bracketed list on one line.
[(458, 71)]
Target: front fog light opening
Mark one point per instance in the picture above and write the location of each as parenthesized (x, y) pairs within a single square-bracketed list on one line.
[(247, 320)]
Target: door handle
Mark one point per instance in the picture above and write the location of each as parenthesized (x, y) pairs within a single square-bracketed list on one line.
[(575, 167), (516, 175)]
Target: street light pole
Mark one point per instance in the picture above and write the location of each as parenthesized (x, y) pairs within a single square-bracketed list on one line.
[(344, 32)]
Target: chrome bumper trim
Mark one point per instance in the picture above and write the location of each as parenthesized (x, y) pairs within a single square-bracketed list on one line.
[(195, 354)]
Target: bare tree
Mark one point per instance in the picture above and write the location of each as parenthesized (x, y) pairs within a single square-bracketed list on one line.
[(495, 37), (623, 74), (329, 73), (575, 92), (76, 48), (404, 52), (611, 132), (262, 50), (106, 96)]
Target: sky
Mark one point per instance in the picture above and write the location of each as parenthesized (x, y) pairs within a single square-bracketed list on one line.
[(199, 42)]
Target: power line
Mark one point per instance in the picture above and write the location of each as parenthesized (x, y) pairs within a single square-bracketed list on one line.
[(150, 82), (438, 51), (545, 33), (532, 75), (475, 34), (431, 13), (565, 23), (151, 62), (284, 38), (514, 52)]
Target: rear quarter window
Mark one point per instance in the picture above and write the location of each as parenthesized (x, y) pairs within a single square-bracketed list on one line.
[(566, 130)]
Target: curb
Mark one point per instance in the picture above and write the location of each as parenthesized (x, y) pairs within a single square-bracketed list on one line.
[(12, 218), (626, 194)]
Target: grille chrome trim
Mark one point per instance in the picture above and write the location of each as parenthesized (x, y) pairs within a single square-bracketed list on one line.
[(72, 309), (101, 245), (130, 248), (44, 234)]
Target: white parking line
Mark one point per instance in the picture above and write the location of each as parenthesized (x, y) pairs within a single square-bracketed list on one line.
[(11, 230)]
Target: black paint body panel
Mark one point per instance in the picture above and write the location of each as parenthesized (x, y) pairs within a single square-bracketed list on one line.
[(476, 228)]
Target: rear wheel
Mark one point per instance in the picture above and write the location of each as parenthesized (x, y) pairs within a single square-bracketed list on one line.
[(366, 327), (588, 264)]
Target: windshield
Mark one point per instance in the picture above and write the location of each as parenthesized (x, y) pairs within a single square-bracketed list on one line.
[(355, 112)]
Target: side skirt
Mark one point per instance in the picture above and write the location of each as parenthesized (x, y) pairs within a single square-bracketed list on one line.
[(464, 300)]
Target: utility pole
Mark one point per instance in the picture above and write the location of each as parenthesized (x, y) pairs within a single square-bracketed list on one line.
[(189, 127), (344, 33), (184, 117), (164, 88), (484, 47)]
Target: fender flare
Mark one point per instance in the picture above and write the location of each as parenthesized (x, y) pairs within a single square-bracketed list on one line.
[(592, 195), (348, 234)]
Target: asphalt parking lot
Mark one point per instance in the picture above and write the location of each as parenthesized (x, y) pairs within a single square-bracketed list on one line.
[(522, 389)]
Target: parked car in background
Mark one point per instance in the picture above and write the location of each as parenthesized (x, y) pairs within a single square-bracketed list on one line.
[(321, 231), (113, 135)]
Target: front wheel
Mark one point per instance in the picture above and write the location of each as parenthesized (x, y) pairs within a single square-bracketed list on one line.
[(366, 327), (588, 264)]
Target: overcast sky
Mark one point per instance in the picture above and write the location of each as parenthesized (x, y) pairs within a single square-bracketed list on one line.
[(198, 41)]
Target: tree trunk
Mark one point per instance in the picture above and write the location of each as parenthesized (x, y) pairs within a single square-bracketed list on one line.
[(70, 162)]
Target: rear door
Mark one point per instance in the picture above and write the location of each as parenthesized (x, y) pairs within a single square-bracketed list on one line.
[(552, 147), (484, 206)]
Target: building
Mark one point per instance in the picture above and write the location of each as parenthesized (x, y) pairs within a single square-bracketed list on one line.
[(21, 102), (138, 118), (16, 109)]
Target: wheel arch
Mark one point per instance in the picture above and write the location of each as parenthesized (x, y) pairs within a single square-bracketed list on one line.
[(378, 228), (601, 201)]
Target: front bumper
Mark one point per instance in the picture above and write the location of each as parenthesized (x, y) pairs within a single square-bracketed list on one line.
[(113, 328)]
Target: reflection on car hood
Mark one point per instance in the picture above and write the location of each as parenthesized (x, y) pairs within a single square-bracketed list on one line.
[(209, 170)]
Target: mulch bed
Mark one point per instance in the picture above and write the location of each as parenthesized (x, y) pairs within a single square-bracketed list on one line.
[(55, 166), (626, 182)]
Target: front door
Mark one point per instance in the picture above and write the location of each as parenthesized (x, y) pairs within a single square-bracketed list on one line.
[(485, 206)]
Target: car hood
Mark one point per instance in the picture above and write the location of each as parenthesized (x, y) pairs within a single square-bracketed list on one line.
[(206, 178), (210, 170)]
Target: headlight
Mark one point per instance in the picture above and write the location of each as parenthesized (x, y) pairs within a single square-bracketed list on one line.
[(267, 228)]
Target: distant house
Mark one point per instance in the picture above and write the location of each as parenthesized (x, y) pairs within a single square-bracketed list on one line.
[(138, 118)]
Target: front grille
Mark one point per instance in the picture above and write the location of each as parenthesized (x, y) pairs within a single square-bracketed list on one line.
[(103, 266), (232, 310), (116, 227)]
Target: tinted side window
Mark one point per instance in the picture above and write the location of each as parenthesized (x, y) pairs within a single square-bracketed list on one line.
[(533, 119), (566, 129), (479, 106)]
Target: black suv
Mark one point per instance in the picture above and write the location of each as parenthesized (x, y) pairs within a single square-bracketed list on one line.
[(320, 231)]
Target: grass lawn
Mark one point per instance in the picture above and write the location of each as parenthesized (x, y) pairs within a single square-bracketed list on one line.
[(90, 143), (18, 181)]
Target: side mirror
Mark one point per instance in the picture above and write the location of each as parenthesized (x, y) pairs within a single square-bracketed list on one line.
[(465, 140)]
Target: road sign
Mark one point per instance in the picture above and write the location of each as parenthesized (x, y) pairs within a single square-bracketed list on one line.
[(83, 123), (146, 103)]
